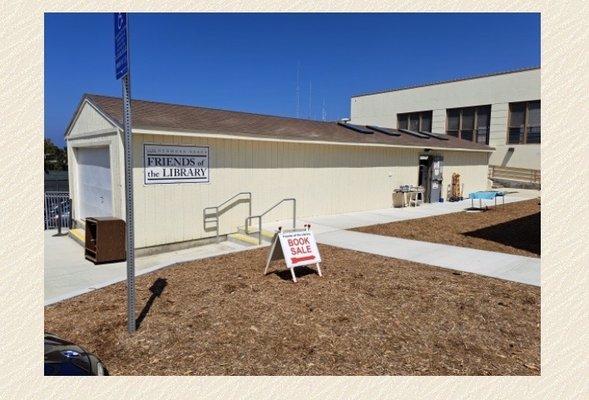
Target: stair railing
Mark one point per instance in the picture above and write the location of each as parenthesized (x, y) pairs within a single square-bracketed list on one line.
[(259, 217), (216, 208)]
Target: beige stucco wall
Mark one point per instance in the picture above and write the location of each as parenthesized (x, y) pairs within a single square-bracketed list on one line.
[(325, 179), (498, 90)]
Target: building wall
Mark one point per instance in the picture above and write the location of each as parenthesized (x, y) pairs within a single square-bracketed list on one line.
[(88, 122), (325, 179), (92, 130), (498, 90)]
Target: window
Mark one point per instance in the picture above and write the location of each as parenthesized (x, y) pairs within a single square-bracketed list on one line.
[(469, 123), (524, 123), (417, 121)]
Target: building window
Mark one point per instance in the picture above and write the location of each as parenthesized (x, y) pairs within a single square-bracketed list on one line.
[(524, 122), (469, 123), (417, 121)]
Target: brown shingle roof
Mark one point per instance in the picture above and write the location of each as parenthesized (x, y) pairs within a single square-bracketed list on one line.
[(174, 117)]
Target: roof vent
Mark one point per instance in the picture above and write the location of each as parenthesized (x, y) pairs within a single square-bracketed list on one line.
[(357, 128), (386, 131), (414, 133), (435, 135)]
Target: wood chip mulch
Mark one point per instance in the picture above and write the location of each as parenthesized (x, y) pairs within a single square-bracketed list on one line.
[(368, 315), (512, 228)]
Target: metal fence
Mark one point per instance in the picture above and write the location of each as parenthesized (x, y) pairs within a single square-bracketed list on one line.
[(58, 203)]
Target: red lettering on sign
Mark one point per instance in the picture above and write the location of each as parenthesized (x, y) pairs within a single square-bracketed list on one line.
[(298, 241), (295, 260)]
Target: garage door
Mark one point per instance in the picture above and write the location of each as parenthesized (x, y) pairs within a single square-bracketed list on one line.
[(94, 182)]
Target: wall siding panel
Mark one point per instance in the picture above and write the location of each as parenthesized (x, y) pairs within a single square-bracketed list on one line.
[(325, 179)]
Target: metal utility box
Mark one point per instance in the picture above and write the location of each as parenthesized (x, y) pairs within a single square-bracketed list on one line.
[(105, 239)]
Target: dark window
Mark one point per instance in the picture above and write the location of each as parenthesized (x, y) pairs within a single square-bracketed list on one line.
[(402, 121), (524, 122), (453, 124), (418, 121), (469, 123), (483, 123), (426, 122), (414, 122)]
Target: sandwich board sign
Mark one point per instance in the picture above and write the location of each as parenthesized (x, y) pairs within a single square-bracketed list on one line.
[(297, 247)]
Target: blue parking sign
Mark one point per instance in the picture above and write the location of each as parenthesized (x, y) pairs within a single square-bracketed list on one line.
[(121, 53)]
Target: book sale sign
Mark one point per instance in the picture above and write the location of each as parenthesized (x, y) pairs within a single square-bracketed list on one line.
[(298, 248)]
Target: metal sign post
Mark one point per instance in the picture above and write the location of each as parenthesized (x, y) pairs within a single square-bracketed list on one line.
[(122, 70)]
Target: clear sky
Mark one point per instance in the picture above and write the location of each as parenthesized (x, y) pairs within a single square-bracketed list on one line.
[(248, 62)]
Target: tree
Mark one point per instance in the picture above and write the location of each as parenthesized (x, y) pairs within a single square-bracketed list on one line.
[(55, 157)]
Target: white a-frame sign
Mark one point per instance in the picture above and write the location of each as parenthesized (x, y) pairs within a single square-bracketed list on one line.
[(297, 247)]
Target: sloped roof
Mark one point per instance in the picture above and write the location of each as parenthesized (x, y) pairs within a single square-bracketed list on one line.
[(182, 118)]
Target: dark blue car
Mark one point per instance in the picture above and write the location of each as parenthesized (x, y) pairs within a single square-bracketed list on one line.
[(65, 358)]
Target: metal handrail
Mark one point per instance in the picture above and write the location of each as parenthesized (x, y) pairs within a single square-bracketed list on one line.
[(259, 217), (216, 208)]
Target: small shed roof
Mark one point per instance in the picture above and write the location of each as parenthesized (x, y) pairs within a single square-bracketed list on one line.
[(151, 115)]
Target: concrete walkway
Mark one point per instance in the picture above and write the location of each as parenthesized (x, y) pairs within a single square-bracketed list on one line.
[(351, 220), (332, 230), (489, 263), (69, 274)]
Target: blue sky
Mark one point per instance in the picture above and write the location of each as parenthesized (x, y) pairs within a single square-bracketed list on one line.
[(248, 62)]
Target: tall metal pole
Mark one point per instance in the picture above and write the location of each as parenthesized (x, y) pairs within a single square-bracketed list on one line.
[(129, 225), (123, 70)]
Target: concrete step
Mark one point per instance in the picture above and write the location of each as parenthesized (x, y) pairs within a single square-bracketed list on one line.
[(243, 239), (79, 236), (266, 234)]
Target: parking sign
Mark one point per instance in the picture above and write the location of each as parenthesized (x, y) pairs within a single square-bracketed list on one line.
[(121, 53)]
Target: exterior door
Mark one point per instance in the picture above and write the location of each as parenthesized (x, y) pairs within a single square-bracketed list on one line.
[(94, 182)]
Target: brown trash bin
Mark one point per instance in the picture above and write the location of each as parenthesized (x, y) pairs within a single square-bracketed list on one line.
[(105, 239)]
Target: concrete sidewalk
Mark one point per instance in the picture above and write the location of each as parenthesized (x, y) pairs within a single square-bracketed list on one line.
[(332, 230), (329, 223), (68, 273), (489, 263)]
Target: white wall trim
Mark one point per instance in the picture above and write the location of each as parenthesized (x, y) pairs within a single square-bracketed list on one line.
[(250, 138)]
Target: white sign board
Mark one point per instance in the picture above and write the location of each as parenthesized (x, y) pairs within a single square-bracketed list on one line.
[(299, 248), (175, 164)]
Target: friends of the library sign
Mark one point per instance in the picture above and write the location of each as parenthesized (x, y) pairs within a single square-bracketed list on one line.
[(175, 164)]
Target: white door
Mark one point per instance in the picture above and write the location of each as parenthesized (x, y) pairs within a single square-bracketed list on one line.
[(94, 182)]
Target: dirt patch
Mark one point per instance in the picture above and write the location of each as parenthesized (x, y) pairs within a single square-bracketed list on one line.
[(368, 315), (512, 228)]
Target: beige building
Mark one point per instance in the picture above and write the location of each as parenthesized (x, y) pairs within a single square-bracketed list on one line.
[(189, 158), (501, 110)]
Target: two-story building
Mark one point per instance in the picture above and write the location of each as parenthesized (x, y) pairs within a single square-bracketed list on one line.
[(501, 110)]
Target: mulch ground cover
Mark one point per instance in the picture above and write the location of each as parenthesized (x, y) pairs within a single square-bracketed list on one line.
[(512, 228), (368, 315)]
